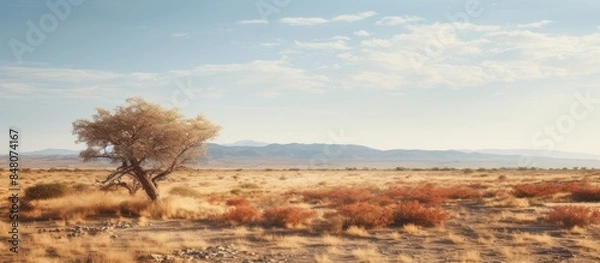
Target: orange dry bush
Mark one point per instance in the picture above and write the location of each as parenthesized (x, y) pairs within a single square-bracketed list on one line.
[(339, 196), (537, 190), (237, 202), (417, 214), (425, 194), (571, 216), (365, 215), (242, 215), (460, 192), (586, 194), (287, 216)]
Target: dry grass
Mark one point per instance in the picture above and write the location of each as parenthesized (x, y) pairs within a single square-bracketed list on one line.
[(481, 228), (291, 242), (395, 235), (527, 238), (95, 203), (412, 229), (405, 259), (591, 245), (369, 255), (517, 255), (454, 238), (471, 256), (323, 259), (241, 231), (357, 231), (185, 192), (329, 240)]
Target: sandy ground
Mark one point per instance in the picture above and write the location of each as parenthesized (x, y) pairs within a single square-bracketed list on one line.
[(493, 228)]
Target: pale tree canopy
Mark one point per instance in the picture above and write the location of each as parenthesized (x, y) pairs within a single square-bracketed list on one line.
[(149, 142)]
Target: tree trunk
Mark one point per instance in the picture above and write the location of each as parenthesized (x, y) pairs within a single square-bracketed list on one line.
[(148, 186)]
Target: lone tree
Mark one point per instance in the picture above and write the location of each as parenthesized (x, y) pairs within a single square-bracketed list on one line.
[(148, 141)]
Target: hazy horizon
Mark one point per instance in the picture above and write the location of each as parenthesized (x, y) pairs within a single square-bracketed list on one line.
[(387, 75)]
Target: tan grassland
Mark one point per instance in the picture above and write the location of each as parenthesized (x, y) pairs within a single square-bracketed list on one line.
[(498, 225)]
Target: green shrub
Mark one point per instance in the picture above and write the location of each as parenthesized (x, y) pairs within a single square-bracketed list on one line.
[(46, 191)]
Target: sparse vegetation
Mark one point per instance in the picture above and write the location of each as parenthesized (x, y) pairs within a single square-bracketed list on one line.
[(372, 214), (365, 215), (46, 191), (185, 192), (416, 214), (537, 190), (238, 201), (242, 215), (586, 193), (287, 216), (571, 216)]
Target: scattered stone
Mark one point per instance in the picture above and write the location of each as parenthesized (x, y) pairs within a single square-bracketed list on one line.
[(226, 253), (78, 231)]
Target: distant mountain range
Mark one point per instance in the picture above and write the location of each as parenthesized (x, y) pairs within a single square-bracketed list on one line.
[(251, 154), (250, 143), (541, 153)]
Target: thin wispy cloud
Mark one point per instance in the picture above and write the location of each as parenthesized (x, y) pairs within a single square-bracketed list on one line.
[(538, 24), (312, 21), (398, 20), (354, 17), (253, 22), (303, 21), (334, 45), (316, 52), (362, 33), (181, 34), (269, 94), (270, 44)]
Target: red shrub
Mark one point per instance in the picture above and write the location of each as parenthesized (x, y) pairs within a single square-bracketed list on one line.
[(214, 199), (537, 190), (571, 216), (425, 194), (339, 196), (586, 194), (460, 192), (334, 222), (365, 215), (415, 213), (287, 216), (237, 202), (242, 215)]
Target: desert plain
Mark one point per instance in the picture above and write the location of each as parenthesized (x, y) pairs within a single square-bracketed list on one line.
[(314, 215)]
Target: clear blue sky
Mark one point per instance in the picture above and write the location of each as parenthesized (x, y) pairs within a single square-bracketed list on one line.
[(386, 74)]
